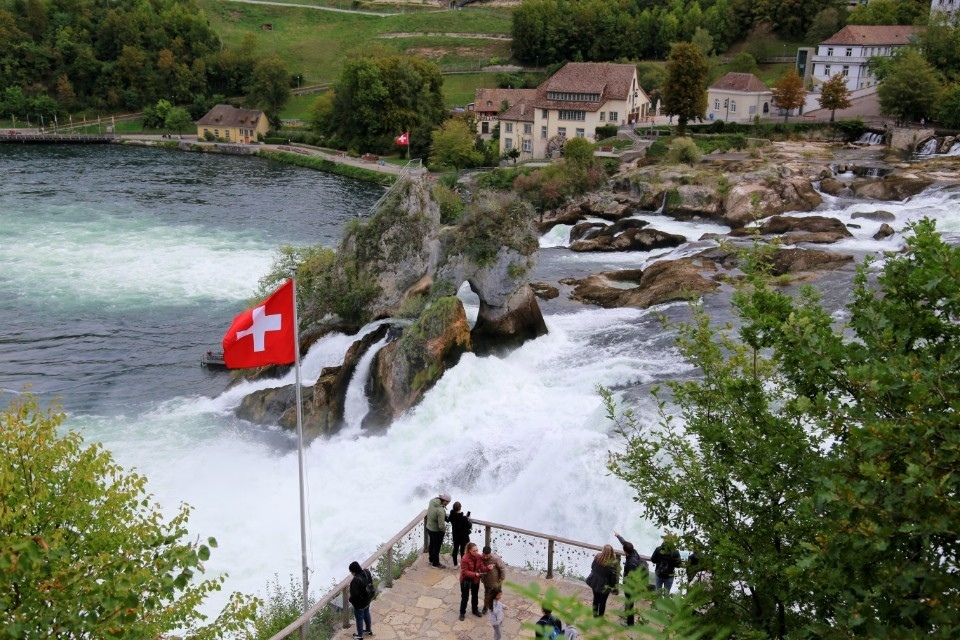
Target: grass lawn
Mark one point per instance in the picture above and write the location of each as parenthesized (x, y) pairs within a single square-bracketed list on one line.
[(316, 43), (460, 88)]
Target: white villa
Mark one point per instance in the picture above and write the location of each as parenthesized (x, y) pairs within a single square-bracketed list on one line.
[(944, 6), (738, 97), (848, 51), (573, 102)]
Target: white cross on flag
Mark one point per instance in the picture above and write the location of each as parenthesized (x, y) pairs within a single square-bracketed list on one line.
[(263, 335)]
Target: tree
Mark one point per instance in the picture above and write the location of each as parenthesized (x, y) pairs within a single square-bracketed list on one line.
[(788, 92), (178, 118), (743, 62), (83, 552), (911, 90), (816, 466), (453, 145), (684, 92), (949, 114), (269, 89), (834, 94)]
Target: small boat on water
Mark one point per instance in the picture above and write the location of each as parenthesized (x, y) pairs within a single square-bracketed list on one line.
[(213, 359)]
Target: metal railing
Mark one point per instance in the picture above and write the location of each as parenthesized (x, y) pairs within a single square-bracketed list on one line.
[(416, 163), (521, 548)]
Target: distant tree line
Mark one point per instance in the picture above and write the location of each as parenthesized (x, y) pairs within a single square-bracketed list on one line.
[(548, 31), (66, 56)]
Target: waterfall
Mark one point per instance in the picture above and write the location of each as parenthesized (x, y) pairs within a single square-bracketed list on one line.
[(355, 404), (870, 138), (929, 148), (954, 150)]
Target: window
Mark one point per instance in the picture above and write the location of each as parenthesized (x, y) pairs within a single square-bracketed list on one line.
[(716, 104), (543, 132), (226, 134), (733, 106), (826, 71), (528, 146), (846, 71), (580, 133), (527, 129), (849, 52), (830, 51), (602, 114), (216, 133), (508, 143), (562, 132), (573, 115), (545, 112), (509, 127), (484, 127), (613, 116), (569, 96)]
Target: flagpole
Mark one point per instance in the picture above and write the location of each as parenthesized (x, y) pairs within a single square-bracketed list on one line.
[(303, 500)]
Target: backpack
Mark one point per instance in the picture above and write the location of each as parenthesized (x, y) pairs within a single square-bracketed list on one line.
[(557, 634), (371, 585), (664, 567)]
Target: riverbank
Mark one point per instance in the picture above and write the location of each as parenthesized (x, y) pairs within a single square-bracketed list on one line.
[(297, 154)]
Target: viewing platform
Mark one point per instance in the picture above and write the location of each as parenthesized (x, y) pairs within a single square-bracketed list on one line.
[(418, 600), (17, 137)]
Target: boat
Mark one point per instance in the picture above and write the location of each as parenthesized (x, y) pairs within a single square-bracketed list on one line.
[(213, 359)]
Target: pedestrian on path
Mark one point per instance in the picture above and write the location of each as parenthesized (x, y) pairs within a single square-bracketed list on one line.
[(436, 526), (472, 570), (493, 580), (632, 562), (603, 579), (665, 559), (496, 613), (460, 528), (360, 599)]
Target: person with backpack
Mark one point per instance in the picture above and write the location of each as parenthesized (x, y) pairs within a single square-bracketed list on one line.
[(436, 526), (472, 570), (665, 561), (362, 592), (460, 527), (548, 626), (632, 562), (603, 579)]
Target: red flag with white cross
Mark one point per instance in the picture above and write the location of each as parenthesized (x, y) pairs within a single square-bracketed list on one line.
[(403, 139), (263, 335)]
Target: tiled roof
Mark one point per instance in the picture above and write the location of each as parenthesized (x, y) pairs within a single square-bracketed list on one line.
[(745, 82), (611, 81), (226, 116), (487, 100), (872, 35), (522, 111)]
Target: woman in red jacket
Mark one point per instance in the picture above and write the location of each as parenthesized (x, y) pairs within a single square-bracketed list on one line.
[(472, 569)]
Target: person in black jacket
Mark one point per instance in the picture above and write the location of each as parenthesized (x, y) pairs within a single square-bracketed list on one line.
[(665, 559), (547, 624), (632, 562), (603, 579), (360, 599), (460, 531)]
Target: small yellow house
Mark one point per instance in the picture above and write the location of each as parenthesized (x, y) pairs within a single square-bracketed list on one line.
[(228, 123)]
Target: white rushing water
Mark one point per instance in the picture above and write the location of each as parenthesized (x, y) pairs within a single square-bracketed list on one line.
[(519, 439)]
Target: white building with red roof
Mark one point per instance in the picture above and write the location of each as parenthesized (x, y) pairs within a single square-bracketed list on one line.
[(738, 97), (488, 103), (848, 51), (573, 102)]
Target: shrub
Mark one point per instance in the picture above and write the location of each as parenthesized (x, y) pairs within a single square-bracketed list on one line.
[(606, 131), (451, 206), (284, 605), (684, 150)]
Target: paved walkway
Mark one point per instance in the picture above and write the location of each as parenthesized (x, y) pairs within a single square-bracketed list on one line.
[(425, 603)]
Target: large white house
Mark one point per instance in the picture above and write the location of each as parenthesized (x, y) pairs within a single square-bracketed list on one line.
[(944, 6), (573, 102), (848, 51), (738, 97)]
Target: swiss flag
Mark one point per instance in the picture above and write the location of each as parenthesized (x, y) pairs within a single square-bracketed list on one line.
[(403, 139), (263, 335)]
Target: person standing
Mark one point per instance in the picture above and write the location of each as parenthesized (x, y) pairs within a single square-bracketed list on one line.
[(632, 562), (360, 599), (460, 528), (547, 624), (603, 579), (471, 572), (497, 613), (493, 579), (436, 526), (665, 561)]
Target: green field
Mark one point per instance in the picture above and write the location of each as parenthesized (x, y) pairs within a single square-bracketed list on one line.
[(316, 43)]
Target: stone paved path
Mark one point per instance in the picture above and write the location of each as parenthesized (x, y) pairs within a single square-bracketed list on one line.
[(425, 603)]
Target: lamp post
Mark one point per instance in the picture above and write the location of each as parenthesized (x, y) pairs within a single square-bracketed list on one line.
[(726, 104)]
